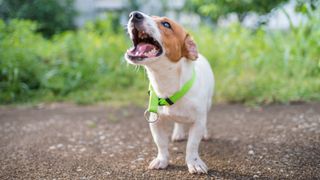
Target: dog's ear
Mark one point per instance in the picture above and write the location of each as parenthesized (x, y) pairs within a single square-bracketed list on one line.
[(190, 48)]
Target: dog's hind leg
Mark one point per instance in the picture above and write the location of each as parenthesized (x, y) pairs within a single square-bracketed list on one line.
[(161, 139), (206, 136), (178, 133), (196, 133)]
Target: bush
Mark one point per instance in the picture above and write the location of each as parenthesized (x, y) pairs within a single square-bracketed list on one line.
[(53, 16), (20, 59)]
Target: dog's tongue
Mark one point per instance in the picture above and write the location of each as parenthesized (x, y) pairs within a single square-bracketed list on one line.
[(144, 47), (144, 50)]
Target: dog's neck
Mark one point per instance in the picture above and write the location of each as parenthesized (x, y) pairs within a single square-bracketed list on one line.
[(167, 77)]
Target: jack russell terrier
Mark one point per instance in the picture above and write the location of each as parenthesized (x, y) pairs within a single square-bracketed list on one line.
[(181, 84)]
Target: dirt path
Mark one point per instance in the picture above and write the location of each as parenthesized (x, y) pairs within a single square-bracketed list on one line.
[(63, 141)]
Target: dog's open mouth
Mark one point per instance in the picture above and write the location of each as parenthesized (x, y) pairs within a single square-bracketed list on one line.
[(144, 46)]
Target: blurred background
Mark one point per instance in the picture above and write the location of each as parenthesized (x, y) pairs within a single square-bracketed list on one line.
[(72, 50)]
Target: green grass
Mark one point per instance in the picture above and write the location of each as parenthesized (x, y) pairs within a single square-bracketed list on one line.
[(87, 66)]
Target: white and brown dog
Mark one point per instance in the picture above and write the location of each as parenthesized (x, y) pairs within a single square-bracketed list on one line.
[(170, 56)]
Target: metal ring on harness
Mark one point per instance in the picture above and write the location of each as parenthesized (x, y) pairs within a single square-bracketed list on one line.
[(147, 115)]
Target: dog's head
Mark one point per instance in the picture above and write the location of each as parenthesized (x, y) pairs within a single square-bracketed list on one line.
[(154, 37)]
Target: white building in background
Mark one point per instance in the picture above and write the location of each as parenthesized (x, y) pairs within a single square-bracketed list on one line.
[(92, 9), (279, 19)]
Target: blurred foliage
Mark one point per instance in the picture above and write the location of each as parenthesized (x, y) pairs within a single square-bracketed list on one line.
[(217, 8), (264, 66), (88, 62), (307, 6), (53, 16), (86, 66)]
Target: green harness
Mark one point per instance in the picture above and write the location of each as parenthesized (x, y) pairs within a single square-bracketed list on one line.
[(155, 101)]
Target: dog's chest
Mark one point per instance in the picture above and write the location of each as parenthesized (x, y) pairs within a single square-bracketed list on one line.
[(178, 112)]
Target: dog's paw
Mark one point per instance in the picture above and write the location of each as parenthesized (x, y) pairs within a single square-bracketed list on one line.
[(197, 166), (178, 136), (158, 163)]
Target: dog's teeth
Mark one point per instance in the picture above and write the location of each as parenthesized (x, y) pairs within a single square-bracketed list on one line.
[(146, 53), (153, 51)]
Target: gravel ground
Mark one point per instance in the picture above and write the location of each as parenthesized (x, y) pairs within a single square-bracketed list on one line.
[(66, 141)]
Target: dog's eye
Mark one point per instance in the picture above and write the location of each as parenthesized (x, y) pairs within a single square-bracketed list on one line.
[(166, 24)]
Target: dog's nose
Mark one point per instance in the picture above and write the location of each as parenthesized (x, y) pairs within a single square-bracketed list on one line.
[(136, 16)]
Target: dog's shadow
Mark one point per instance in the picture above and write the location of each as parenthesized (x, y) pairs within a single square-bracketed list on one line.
[(175, 169), (212, 173)]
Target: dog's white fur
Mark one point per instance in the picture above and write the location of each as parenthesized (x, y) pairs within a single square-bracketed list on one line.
[(168, 77)]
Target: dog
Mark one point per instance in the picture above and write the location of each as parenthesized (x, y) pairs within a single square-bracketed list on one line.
[(170, 57)]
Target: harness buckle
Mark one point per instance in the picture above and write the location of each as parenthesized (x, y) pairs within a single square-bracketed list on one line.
[(169, 101)]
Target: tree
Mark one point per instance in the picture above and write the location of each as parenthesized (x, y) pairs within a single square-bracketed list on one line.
[(53, 16), (216, 8)]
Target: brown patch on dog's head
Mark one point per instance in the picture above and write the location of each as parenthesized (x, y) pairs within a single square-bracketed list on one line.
[(176, 41)]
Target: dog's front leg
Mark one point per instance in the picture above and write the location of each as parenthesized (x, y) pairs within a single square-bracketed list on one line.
[(161, 139), (196, 132)]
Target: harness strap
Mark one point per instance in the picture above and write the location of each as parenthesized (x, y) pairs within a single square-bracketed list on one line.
[(155, 101)]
